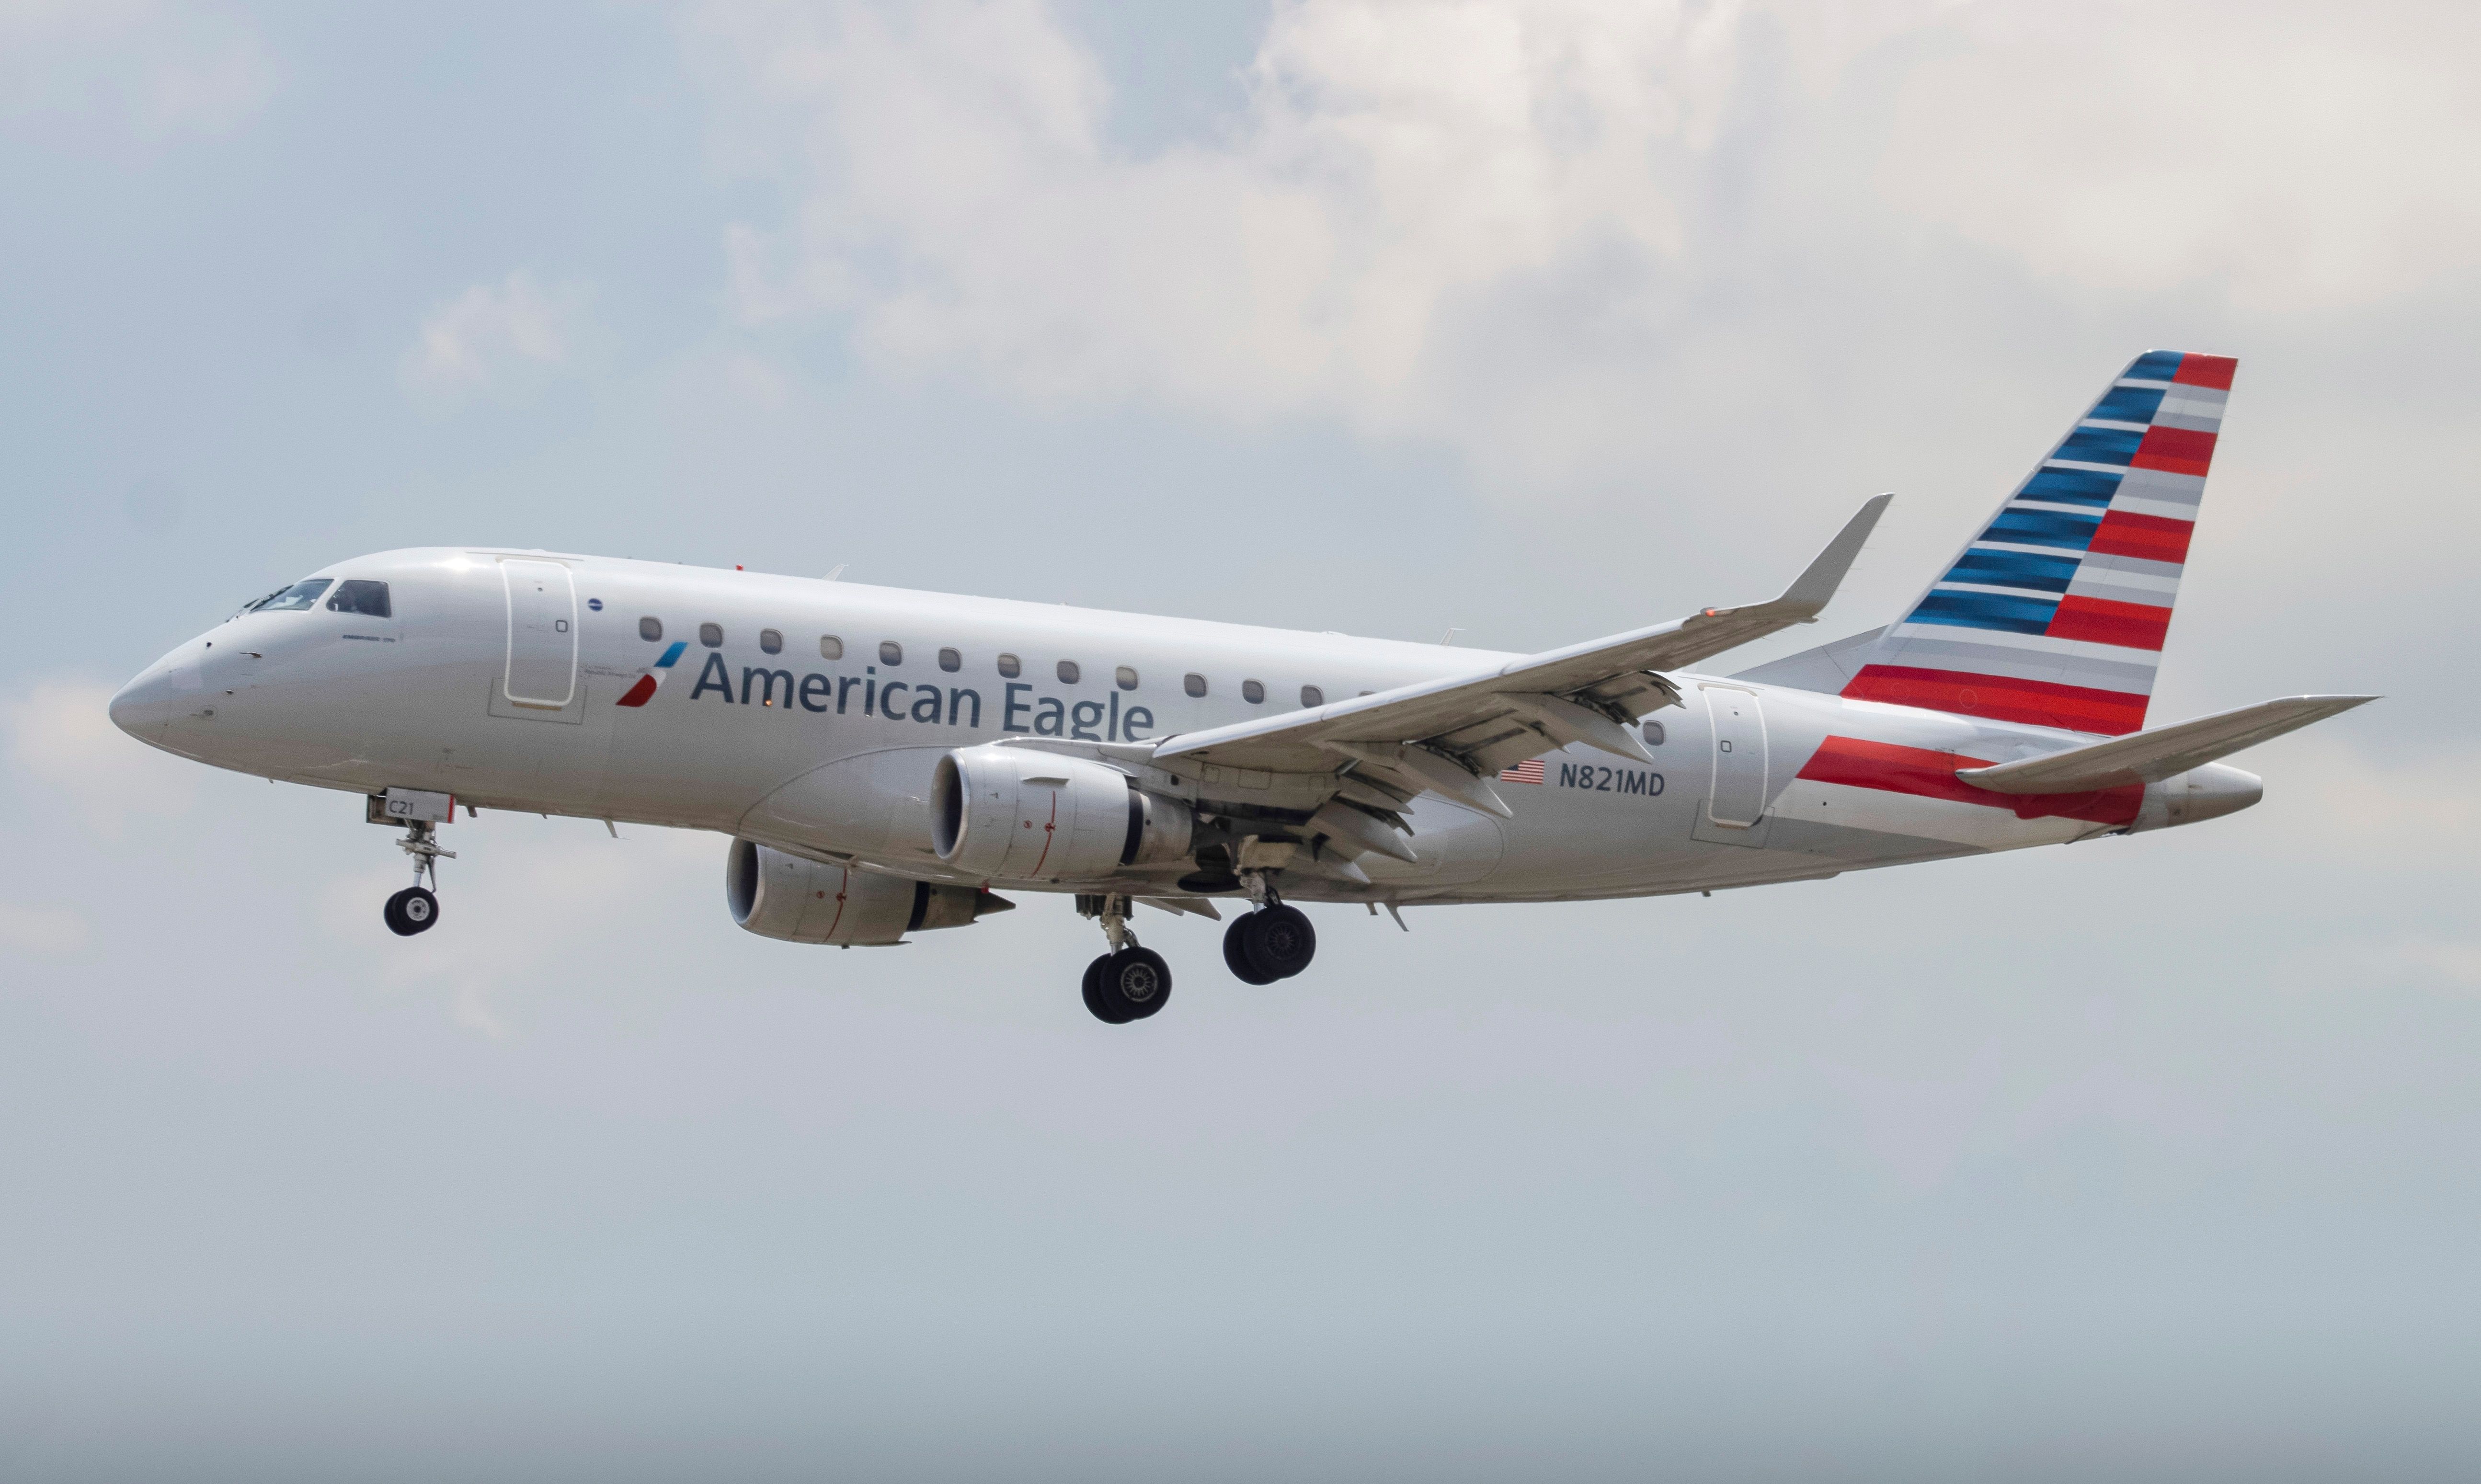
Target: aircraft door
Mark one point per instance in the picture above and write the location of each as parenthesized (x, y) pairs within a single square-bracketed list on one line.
[(542, 634), (1736, 797)]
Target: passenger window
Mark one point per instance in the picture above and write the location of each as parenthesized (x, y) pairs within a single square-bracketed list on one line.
[(770, 641), (830, 647), (1654, 734), (1253, 693), (1312, 695), (1068, 672), (890, 652), (651, 630), (1011, 667), (1126, 677), (293, 599), (357, 596), (951, 661), (1194, 685), (710, 634)]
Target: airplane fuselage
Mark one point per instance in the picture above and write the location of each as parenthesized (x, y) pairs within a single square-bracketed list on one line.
[(810, 716)]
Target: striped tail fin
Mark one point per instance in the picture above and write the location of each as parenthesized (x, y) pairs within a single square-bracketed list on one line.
[(2054, 614)]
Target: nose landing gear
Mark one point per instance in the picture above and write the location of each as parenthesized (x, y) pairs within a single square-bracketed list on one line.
[(416, 908), (411, 911), (1130, 982)]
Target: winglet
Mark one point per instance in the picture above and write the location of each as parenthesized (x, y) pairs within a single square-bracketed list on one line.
[(1812, 588)]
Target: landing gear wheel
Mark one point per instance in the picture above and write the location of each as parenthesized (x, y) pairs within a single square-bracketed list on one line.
[(1280, 942), (1127, 985), (411, 911), (1235, 950), (1099, 1002)]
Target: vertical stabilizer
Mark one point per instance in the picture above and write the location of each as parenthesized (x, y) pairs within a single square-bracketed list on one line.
[(2054, 614)]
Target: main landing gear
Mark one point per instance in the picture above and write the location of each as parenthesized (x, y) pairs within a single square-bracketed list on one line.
[(416, 908), (1130, 982), (1274, 942), (1269, 943)]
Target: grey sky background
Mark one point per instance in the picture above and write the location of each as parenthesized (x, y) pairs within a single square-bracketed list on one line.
[(2153, 1157)]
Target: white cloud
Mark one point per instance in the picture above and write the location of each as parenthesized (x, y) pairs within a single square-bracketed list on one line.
[(1555, 234), (151, 70), (500, 338), (50, 932), (62, 739), (2291, 158), (953, 191)]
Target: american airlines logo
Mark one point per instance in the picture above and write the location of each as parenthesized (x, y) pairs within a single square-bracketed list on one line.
[(644, 690)]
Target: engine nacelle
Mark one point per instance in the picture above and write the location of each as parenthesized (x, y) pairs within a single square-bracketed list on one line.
[(778, 895), (1006, 813)]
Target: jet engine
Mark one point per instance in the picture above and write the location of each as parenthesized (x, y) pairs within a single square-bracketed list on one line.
[(1005, 813), (778, 895)]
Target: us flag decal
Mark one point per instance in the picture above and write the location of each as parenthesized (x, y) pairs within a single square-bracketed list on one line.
[(1528, 771)]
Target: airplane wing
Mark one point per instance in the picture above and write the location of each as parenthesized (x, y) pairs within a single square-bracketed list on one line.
[(1449, 736), (2149, 757)]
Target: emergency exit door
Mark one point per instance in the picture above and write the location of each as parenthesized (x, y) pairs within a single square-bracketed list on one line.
[(542, 634)]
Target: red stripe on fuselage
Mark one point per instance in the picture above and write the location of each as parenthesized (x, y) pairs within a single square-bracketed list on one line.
[(1925, 773), (2033, 702), (641, 693)]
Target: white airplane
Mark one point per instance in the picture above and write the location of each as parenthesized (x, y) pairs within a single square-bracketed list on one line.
[(883, 759)]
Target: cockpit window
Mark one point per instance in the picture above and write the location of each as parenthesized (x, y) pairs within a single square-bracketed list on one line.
[(300, 595), (366, 598)]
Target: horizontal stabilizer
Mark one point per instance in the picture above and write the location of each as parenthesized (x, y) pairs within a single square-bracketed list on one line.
[(2149, 757)]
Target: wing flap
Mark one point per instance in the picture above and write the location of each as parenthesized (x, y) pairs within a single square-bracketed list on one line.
[(2149, 757)]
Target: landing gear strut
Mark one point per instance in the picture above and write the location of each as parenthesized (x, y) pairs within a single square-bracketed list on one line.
[(1274, 942), (1130, 982), (416, 908)]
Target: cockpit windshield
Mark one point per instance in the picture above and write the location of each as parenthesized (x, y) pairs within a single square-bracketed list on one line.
[(300, 595), (366, 598)]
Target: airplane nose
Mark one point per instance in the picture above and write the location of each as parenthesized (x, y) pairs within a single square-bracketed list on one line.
[(138, 707), (148, 704)]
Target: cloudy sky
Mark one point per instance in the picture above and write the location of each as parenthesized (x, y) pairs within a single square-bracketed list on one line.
[(2156, 1157)]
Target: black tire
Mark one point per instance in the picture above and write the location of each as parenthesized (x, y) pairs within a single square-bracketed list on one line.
[(411, 911), (1103, 1008), (1282, 944), (1236, 951), (1132, 984)]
